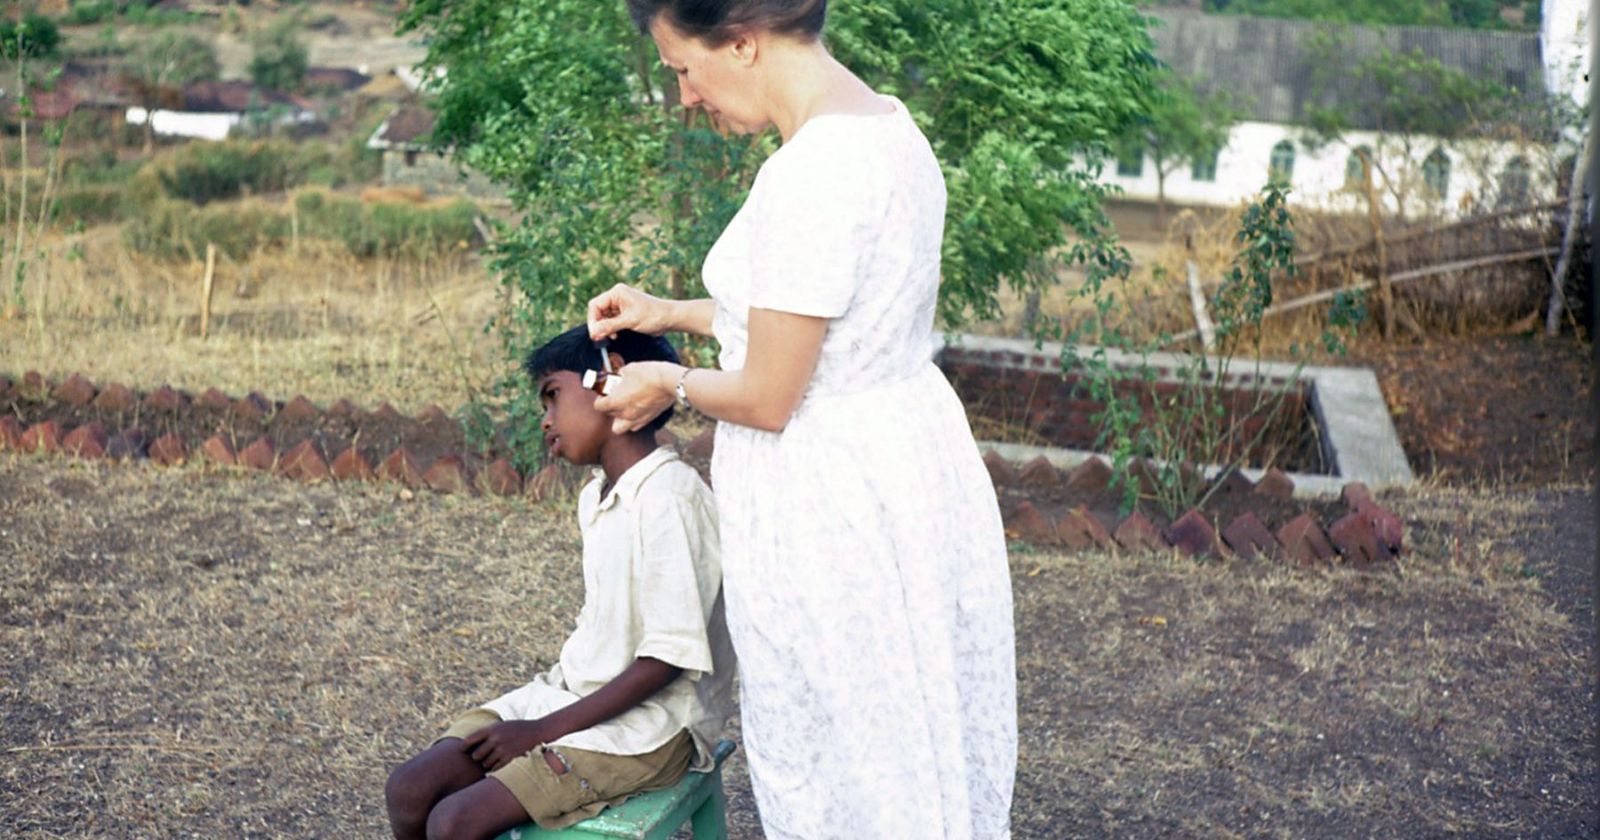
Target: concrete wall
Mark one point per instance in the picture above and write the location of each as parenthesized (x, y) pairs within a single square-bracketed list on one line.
[(435, 174)]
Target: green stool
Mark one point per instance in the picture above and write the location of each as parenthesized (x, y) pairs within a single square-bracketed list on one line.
[(697, 798)]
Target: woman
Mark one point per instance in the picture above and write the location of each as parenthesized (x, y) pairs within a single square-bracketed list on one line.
[(865, 572)]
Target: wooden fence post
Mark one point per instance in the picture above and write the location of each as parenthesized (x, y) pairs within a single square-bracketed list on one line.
[(1580, 171), (1385, 293), (205, 294)]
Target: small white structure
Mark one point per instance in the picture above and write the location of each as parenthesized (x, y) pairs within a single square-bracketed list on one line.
[(1564, 37), (212, 110), (410, 160), (1266, 67)]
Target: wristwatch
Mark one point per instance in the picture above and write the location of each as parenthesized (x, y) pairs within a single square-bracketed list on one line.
[(683, 398)]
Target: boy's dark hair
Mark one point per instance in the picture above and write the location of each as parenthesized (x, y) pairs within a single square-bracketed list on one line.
[(574, 351)]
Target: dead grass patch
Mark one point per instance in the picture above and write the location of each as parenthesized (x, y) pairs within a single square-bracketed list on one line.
[(314, 321), (185, 652)]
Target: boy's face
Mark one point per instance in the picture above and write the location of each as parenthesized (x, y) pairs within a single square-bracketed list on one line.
[(572, 428)]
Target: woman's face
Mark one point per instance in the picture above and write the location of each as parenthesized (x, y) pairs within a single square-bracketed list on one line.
[(717, 80)]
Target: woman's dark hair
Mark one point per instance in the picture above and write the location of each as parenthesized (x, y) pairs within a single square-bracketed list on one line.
[(716, 22), (574, 351)]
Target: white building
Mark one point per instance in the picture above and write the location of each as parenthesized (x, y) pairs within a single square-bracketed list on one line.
[(212, 110), (1269, 69)]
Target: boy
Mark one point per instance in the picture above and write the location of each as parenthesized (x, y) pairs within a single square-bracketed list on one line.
[(641, 690)]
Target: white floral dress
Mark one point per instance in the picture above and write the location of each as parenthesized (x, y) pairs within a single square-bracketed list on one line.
[(864, 565)]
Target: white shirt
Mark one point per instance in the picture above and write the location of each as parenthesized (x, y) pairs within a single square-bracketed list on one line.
[(652, 580)]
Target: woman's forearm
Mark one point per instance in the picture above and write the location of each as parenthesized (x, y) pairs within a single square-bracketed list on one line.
[(692, 316), (728, 395), (764, 394)]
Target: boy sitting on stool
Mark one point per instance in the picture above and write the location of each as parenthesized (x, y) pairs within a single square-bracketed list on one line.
[(641, 691)]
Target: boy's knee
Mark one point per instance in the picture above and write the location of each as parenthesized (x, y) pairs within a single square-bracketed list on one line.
[(447, 819), (404, 789)]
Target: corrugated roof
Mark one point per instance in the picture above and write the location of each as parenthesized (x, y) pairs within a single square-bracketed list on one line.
[(233, 97), (335, 78), (409, 126), (1266, 64)]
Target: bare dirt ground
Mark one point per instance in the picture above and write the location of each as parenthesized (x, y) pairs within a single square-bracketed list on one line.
[(190, 653)]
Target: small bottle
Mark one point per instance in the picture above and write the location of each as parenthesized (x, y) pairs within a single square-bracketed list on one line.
[(599, 381)]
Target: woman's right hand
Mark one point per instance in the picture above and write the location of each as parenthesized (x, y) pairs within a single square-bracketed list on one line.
[(623, 307)]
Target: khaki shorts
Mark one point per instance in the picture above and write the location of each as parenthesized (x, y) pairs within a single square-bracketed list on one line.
[(593, 781)]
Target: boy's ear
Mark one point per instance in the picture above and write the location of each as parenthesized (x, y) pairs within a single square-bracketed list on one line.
[(616, 360)]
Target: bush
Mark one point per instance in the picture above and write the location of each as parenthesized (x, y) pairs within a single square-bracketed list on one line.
[(35, 36), (205, 172), (385, 229), (278, 59), (89, 204), (100, 166), (85, 12), (166, 227), (142, 13)]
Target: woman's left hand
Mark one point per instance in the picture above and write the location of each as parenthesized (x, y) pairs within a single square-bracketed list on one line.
[(639, 392)]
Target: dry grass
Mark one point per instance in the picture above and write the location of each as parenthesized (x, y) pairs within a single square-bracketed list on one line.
[(190, 653), (1155, 298), (317, 322), (1204, 701)]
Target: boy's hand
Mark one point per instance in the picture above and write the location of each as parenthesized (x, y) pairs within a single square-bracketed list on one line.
[(494, 746)]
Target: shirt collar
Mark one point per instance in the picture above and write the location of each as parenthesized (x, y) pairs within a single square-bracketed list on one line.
[(628, 483)]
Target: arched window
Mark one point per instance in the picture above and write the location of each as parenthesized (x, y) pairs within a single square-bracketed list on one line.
[(1354, 171), (1436, 173), (1514, 183), (1281, 169), (1130, 163)]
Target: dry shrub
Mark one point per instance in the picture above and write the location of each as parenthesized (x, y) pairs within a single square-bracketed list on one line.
[(394, 194)]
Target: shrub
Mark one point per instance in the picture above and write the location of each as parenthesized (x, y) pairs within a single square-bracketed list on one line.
[(83, 12), (35, 36), (278, 59), (385, 229), (206, 172), (171, 228), (168, 228), (89, 204)]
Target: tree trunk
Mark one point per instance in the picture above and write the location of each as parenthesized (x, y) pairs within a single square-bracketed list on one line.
[(1161, 200), (1580, 167), (1385, 293)]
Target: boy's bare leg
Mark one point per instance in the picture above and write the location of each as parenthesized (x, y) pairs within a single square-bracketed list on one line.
[(415, 787), (476, 812)]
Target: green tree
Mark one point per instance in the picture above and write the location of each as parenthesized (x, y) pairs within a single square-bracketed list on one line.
[(34, 36), (277, 57), (564, 103), (1407, 99), (159, 67), (1180, 126), (1471, 14)]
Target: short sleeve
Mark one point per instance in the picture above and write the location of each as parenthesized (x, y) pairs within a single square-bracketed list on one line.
[(679, 579), (816, 216)]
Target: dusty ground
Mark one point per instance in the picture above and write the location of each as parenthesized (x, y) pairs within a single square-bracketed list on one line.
[(186, 653), (1513, 410)]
